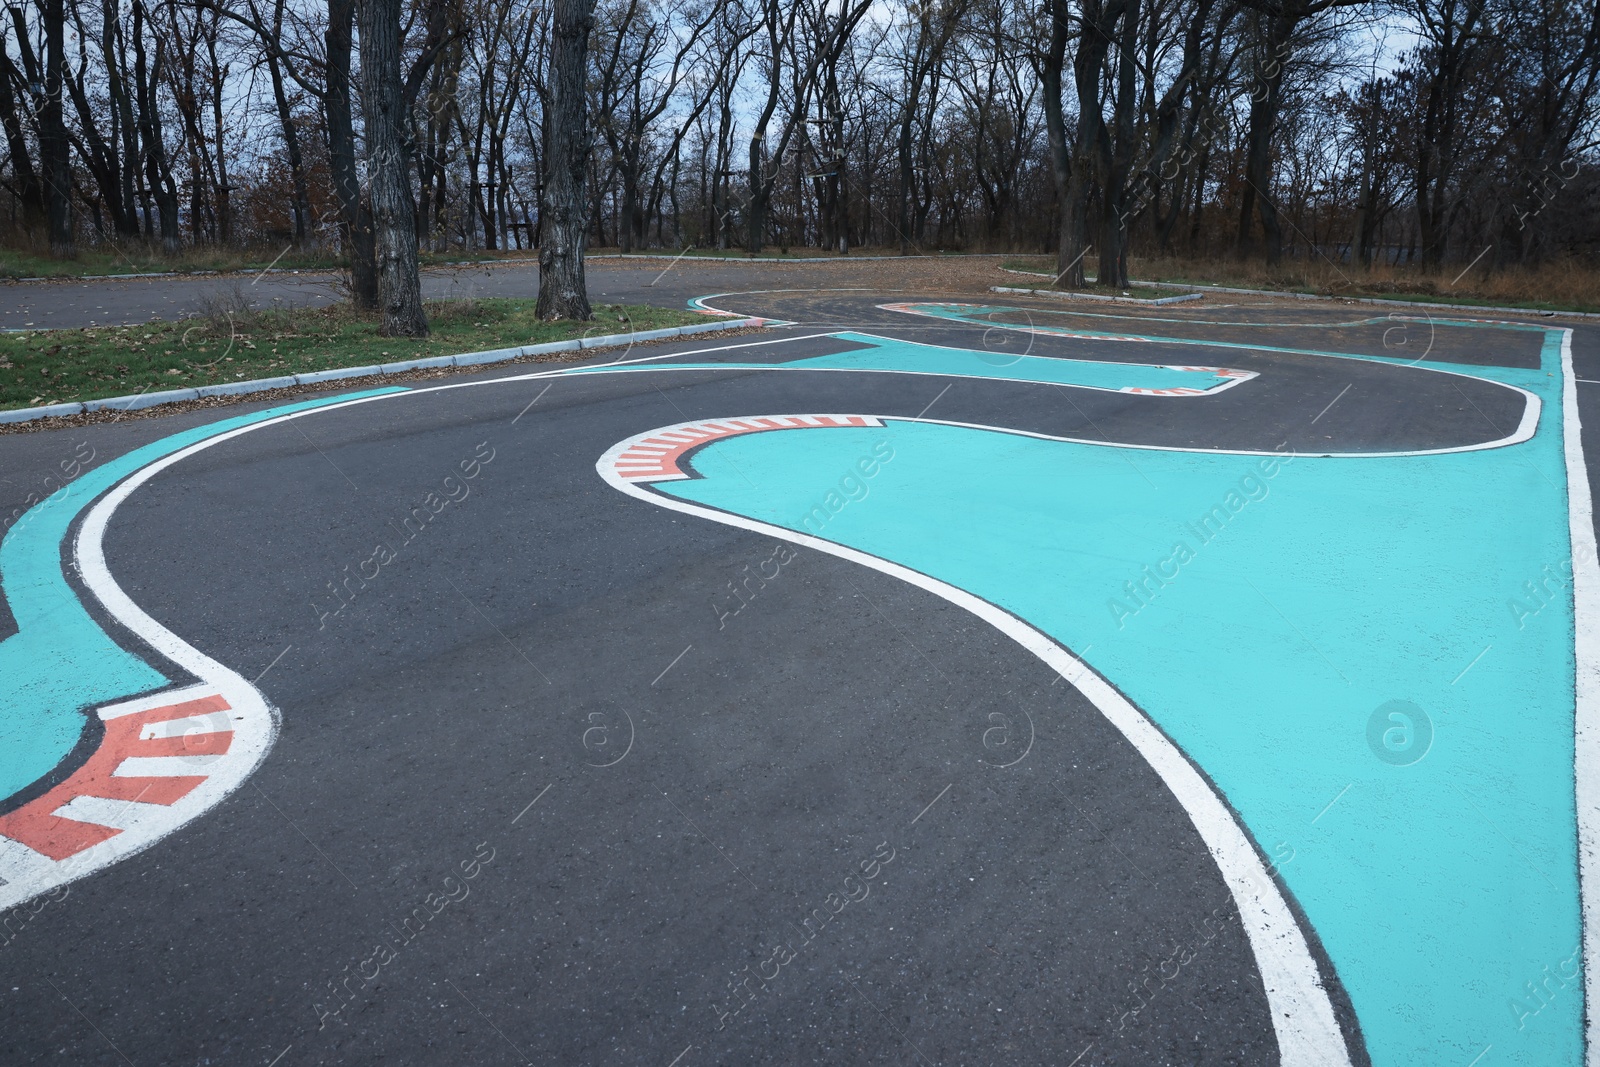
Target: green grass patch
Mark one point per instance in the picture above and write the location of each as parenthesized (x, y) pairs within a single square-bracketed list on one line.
[(233, 344), (1031, 265)]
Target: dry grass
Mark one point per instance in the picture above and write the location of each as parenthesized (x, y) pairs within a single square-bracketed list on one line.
[(1562, 286)]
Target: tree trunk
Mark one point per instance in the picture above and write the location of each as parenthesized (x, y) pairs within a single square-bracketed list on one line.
[(1117, 163), (53, 144), (1265, 103), (29, 190), (388, 174), (1069, 248), (355, 221), (158, 170), (122, 100), (563, 293), (1092, 158), (301, 206)]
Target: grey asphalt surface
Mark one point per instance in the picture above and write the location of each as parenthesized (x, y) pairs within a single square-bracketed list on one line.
[(698, 784)]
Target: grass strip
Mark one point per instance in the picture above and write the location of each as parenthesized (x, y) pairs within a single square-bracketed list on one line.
[(235, 344), (1549, 288)]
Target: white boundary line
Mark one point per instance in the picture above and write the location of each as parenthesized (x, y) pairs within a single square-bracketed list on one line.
[(1586, 711), (1302, 1014), (1308, 1032), (252, 719), (1224, 386)]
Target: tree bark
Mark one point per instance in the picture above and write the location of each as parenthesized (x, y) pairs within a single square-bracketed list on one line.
[(1117, 162), (300, 209), (53, 144), (1265, 104), (157, 168), (1092, 158), (355, 222), (563, 293), (388, 172), (1069, 248), (29, 189)]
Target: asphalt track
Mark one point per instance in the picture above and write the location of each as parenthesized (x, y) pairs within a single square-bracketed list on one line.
[(606, 765)]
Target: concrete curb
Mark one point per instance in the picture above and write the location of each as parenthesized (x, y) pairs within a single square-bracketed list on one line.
[(465, 359), (1068, 295), (1381, 301)]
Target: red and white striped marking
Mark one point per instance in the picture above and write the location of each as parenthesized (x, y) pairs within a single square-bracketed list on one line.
[(162, 760), (151, 757), (657, 456)]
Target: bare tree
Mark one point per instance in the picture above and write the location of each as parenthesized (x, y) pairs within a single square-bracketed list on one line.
[(389, 185), (563, 293), (355, 213)]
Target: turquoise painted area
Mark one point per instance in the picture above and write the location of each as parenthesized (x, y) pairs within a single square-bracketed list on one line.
[(905, 357), (1320, 589), (894, 355), (976, 315), (60, 663)]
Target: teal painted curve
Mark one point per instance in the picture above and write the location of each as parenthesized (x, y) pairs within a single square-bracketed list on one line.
[(1266, 613), (60, 662), (887, 354), (972, 315)]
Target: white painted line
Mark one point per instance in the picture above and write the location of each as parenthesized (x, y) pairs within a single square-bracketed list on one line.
[(532, 402), (279, 656), (254, 722), (1302, 1014), (601, 368), (167, 766), (1586, 713), (673, 664), (1331, 803), (1471, 665), (192, 724), (19, 863), (1332, 402), (1235, 376), (166, 698), (931, 803), (934, 401), (461, 360), (118, 814), (1522, 433), (1221, 387), (531, 803)]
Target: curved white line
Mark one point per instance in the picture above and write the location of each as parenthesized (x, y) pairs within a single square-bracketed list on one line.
[(258, 720), (1525, 428), (253, 720), (1151, 394), (1302, 1014), (1389, 361), (1586, 693)]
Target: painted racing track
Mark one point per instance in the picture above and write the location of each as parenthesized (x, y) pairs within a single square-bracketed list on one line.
[(924, 680)]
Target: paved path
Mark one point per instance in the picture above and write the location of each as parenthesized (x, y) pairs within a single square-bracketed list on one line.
[(935, 679)]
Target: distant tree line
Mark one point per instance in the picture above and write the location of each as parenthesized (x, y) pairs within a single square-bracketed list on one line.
[(1083, 128)]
